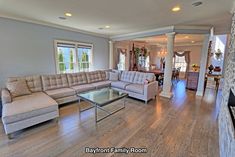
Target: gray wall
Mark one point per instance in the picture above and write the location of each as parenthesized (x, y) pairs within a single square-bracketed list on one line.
[(27, 48)]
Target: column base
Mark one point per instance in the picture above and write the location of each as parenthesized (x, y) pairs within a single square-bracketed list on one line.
[(166, 94), (199, 93)]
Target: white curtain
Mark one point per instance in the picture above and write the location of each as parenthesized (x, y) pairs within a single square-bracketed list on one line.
[(186, 55)]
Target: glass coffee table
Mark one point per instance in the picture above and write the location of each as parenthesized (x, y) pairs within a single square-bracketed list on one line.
[(101, 97)]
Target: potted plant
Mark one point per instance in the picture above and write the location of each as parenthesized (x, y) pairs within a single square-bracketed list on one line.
[(195, 67)]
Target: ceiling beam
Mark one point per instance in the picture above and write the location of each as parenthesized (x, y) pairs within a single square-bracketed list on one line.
[(164, 30), (148, 33), (192, 29)]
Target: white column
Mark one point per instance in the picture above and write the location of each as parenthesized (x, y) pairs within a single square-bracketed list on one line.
[(203, 66), (111, 55), (166, 92)]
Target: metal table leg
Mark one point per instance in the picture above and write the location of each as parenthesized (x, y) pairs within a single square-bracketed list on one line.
[(108, 113)]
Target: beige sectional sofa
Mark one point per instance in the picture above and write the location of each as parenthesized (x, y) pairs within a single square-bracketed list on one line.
[(49, 91), (133, 83)]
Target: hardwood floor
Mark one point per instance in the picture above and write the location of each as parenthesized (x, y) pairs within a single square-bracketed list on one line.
[(185, 126)]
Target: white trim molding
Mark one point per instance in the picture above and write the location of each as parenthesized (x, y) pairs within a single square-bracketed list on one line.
[(53, 25)]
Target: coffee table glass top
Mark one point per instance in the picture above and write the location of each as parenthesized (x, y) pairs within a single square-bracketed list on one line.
[(102, 96)]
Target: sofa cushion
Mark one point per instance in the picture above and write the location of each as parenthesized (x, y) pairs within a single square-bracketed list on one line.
[(6, 96), (18, 88), (113, 76), (127, 76), (34, 82), (28, 106), (60, 93), (136, 88), (93, 76), (102, 84), (54, 81), (83, 88), (107, 73), (120, 84), (103, 75), (140, 77), (75, 79)]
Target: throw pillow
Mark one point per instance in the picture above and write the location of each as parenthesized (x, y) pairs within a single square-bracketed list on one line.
[(146, 81), (113, 76), (18, 88)]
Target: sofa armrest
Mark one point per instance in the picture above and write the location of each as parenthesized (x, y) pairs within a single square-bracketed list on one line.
[(150, 90), (6, 96)]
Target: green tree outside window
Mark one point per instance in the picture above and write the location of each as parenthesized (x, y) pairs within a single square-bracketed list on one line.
[(61, 60), (71, 60)]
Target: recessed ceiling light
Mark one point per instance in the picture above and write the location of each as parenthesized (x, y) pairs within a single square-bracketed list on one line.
[(195, 4), (193, 41), (175, 9), (107, 26), (68, 14), (62, 18)]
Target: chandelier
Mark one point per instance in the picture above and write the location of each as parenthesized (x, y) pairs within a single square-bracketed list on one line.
[(162, 52)]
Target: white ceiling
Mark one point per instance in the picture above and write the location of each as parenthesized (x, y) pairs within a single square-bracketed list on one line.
[(124, 16), (180, 40)]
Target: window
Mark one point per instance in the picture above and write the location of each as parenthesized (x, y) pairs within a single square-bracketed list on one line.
[(84, 58), (143, 61), (122, 61), (73, 57), (147, 62), (180, 62)]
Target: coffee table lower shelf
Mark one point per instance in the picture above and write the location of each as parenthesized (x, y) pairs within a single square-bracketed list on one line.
[(97, 106)]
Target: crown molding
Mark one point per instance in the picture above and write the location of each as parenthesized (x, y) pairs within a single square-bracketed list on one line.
[(53, 25), (129, 36)]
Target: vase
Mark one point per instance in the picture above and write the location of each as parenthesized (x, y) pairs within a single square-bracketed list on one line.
[(211, 67)]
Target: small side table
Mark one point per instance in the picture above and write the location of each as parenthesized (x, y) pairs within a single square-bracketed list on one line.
[(216, 79)]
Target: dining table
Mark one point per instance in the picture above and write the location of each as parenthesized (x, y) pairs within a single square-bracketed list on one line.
[(157, 72)]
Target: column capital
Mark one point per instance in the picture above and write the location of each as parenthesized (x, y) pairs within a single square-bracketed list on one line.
[(171, 34), (110, 42)]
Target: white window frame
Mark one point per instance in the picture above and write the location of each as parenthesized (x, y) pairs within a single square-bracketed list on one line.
[(122, 64), (174, 60), (76, 43)]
